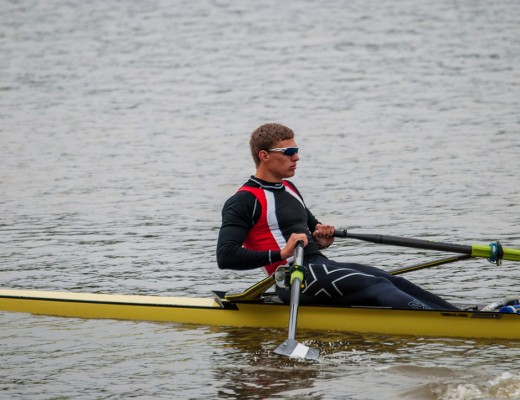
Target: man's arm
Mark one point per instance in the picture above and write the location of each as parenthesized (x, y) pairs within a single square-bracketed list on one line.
[(238, 216), (322, 233), (311, 220)]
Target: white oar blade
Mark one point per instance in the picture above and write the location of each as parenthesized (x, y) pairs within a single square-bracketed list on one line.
[(294, 349)]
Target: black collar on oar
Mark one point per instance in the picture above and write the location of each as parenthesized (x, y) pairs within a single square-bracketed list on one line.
[(291, 347), (494, 252)]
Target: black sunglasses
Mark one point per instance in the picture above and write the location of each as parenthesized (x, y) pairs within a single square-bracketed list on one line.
[(286, 151)]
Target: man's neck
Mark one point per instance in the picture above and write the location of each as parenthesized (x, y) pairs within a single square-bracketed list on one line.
[(267, 176)]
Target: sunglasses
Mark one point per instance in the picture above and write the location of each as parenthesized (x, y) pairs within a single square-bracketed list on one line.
[(286, 151)]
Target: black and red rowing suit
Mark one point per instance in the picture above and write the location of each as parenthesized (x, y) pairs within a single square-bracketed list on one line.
[(258, 220)]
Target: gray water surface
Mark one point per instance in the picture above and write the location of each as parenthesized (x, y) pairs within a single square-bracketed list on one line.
[(124, 128)]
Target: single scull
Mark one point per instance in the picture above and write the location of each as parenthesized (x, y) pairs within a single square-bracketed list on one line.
[(256, 308), (264, 313)]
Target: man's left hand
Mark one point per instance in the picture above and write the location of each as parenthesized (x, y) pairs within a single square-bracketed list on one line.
[(323, 235)]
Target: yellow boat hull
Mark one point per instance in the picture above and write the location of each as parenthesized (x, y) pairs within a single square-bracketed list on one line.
[(208, 311)]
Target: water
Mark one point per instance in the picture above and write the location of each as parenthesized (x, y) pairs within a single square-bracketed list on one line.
[(124, 127)]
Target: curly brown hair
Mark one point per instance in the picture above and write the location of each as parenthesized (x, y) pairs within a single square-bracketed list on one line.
[(266, 136)]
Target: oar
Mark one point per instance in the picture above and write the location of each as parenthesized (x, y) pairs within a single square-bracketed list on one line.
[(494, 252), (291, 347), (428, 264)]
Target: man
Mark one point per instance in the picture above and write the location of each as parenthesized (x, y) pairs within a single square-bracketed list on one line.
[(264, 220)]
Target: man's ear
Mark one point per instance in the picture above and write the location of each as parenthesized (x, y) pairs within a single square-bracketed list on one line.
[(263, 155)]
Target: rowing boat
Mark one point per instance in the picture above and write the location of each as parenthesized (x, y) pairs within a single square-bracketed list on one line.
[(257, 308), (234, 311)]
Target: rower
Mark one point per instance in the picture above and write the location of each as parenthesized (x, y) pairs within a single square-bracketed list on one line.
[(263, 221)]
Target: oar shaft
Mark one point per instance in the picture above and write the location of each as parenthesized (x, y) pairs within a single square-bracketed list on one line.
[(296, 280), (429, 264), (291, 347), (473, 251), (295, 301), (406, 242)]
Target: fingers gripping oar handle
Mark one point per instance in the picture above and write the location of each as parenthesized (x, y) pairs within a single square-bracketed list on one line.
[(493, 252)]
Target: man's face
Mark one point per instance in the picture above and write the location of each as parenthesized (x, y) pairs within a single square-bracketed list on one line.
[(282, 165)]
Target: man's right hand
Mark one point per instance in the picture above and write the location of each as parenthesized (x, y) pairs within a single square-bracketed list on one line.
[(288, 250)]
